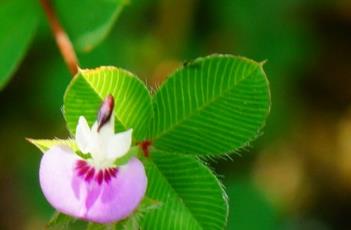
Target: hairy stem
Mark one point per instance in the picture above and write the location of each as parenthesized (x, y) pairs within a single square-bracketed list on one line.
[(63, 42)]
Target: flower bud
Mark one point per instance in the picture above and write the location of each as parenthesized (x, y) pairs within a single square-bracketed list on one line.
[(105, 111)]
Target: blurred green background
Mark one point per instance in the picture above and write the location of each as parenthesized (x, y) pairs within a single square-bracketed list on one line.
[(297, 175)]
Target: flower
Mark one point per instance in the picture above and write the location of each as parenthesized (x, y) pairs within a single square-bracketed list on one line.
[(89, 185)]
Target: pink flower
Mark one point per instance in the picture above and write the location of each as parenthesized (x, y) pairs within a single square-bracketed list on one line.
[(94, 189)]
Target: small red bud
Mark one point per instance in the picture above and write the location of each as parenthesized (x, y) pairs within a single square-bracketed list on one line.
[(145, 147)]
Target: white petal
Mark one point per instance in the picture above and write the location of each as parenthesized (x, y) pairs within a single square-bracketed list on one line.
[(83, 135), (119, 144), (108, 129), (100, 139)]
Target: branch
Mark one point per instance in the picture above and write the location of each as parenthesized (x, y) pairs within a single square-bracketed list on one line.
[(64, 44)]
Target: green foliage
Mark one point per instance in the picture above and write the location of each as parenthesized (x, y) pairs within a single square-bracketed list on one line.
[(60, 221), (93, 226), (262, 29), (88, 21), (213, 105), (18, 21), (45, 144), (133, 108), (190, 194)]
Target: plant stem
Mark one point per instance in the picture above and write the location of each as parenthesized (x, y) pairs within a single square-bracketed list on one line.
[(63, 42)]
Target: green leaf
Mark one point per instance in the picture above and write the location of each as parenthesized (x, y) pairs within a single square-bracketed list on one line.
[(88, 21), (190, 194), (213, 105), (18, 21), (45, 144), (94, 226), (148, 205), (133, 106), (60, 221)]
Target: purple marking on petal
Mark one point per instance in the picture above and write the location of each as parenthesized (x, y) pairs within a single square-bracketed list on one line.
[(113, 171), (82, 167), (82, 171), (90, 174), (81, 163), (100, 176), (107, 176)]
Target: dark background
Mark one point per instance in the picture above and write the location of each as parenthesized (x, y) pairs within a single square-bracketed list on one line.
[(297, 175)]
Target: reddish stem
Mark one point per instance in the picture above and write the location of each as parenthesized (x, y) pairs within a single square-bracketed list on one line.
[(63, 42), (145, 147)]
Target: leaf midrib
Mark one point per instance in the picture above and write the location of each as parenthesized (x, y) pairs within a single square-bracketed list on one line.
[(180, 200), (99, 96), (205, 105)]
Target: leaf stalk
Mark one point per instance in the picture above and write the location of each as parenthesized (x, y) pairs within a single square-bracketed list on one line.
[(62, 40)]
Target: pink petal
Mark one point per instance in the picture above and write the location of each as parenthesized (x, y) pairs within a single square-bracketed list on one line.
[(100, 196)]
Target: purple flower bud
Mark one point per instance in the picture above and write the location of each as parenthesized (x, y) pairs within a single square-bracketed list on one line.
[(105, 111)]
